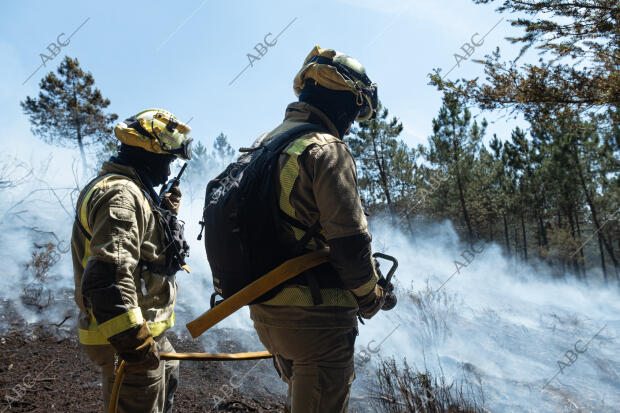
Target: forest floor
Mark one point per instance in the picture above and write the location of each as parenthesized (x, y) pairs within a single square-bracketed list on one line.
[(42, 373)]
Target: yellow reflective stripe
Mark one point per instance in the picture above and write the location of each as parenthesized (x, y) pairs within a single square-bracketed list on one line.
[(121, 322), (84, 210), (93, 336), (288, 176), (87, 252), (84, 205), (158, 327), (366, 287), (300, 296)]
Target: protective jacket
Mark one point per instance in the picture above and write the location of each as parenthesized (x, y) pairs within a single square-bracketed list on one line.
[(117, 286), (317, 180)]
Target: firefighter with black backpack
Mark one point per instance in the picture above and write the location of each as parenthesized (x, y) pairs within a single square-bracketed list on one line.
[(260, 213)]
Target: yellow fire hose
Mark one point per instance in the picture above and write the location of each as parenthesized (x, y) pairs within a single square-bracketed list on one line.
[(120, 372), (273, 278)]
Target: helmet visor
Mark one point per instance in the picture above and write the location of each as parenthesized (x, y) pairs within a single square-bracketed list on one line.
[(369, 105), (184, 151)]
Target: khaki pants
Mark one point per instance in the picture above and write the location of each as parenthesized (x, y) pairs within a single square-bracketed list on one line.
[(313, 352), (148, 392)]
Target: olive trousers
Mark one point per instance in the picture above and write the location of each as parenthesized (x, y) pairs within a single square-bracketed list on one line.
[(313, 350), (145, 392)]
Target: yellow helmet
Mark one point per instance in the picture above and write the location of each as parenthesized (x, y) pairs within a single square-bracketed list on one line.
[(157, 131), (337, 71)]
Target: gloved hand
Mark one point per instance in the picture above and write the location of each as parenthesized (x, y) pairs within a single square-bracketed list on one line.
[(371, 303), (137, 347), (390, 300), (172, 199)]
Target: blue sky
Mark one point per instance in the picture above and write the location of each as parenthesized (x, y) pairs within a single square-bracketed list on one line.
[(182, 57)]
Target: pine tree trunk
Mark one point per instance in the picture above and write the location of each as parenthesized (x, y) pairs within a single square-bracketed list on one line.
[(582, 263), (543, 231), (593, 210), (602, 252), (575, 263), (82, 153), (78, 128), (516, 243), (524, 237), (506, 234), (384, 181), (460, 186)]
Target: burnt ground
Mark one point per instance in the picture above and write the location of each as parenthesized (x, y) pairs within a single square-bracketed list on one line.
[(44, 371)]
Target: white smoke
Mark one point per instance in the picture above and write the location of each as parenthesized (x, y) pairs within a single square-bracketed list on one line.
[(36, 209), (499, 326)]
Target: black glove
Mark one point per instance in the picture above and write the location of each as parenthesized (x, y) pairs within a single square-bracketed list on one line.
[(137, 347), (371, 303), (390, 301), (172, 199)]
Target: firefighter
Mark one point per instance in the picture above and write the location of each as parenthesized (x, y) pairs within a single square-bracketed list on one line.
[(127, 246), (310, 325)]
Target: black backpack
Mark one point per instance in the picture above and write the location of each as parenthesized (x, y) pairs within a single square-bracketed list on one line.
[(241, 216)]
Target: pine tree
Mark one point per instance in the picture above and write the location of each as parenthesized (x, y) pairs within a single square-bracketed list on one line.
[(385, 163), (223, 151), (453, 147), (69, 110), (579, 44)]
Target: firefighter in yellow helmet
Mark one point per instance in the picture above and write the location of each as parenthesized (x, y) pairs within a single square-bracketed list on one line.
[(310, 325), (127, 246)]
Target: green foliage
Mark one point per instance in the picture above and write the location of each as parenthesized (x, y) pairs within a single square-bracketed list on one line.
[(205, 164), (453, 147), (69, 110), (222, 150), (385, 164), (578, 68)]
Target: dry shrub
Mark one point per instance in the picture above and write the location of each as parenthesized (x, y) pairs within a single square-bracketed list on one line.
[(404, 390), (36, 293)]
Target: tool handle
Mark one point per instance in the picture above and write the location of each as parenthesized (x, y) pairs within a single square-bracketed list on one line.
[(394, 261)]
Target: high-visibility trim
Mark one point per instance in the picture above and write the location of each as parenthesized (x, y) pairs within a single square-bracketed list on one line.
[(84, 208), (158, 327), (366, 287), (300, 296), (87, 252), (121, 322), (122, 180), (84, 205), (93, 336), (288, 176)]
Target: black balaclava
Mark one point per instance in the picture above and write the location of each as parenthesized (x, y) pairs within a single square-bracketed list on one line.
[(152, 167), (338, 105)]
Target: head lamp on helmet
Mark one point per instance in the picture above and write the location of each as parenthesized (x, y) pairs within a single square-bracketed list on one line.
[(157, 131), (337, 71)]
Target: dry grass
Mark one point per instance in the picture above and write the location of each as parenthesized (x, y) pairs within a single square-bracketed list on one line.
[(404, 390)]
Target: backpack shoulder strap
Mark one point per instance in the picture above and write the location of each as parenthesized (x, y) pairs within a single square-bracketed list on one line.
[(278, 143)]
